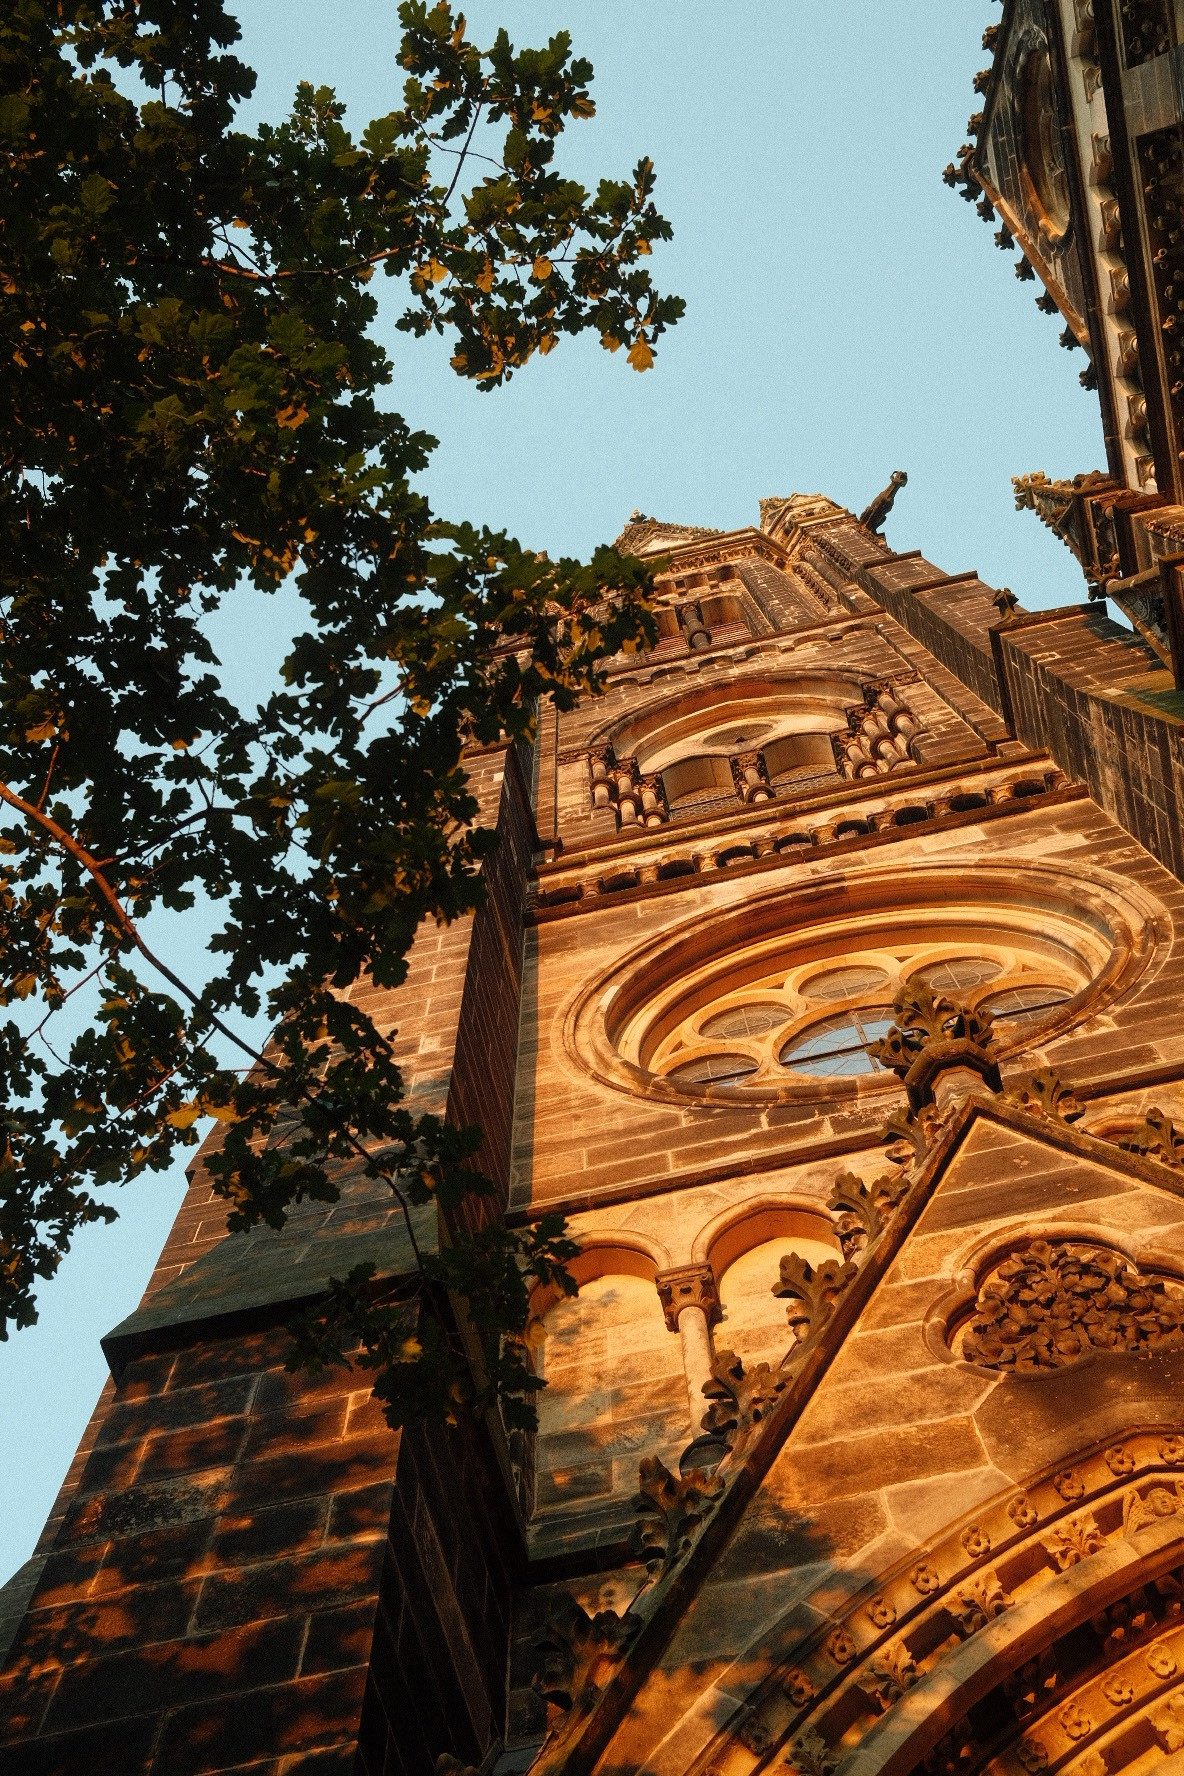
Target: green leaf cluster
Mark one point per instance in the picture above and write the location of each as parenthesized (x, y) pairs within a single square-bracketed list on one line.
[(191, 403)]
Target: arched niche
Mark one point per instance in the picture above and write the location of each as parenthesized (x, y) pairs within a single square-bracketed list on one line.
[(723, 719), (745, 1247), (614, 1380)]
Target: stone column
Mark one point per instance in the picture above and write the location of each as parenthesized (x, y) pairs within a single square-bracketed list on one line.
[(690, 1302)]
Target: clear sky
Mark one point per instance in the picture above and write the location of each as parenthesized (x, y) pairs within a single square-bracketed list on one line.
[(847, 315)]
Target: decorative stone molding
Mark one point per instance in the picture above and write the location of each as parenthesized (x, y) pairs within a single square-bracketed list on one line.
[(1056, 1302), (881, 737), (840, 1679), (688, 1285)]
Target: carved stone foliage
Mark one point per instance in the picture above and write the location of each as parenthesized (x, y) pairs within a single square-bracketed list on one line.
[(741, 1399), (978, 1603), (671, 1509), (811, 1291), (862, 1211), (881, 737), (912, 1134), (924, 1018), (1158, 1137), (932, 1035), (1045, 1094), (577, 1653), (1055, 1302)]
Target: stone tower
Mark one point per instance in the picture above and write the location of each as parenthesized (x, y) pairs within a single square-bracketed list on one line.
[(829, 983)]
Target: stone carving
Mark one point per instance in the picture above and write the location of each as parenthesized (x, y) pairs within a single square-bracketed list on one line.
[(1030, 1687), (874, 515), (912, 1134), (1158, 1137), (979, 1603), (1045, 1094), (881, 737), (1169, 1723), (671, 1510), (1073, 1541), (811, 1291), (750, 774), (862, 1211), (1070, 1485), (888, 1677), (976, 1542), (958, 1752), (1124, 1623), (1006, 602), (1055, 1302), (923, 1017), (577, 1652), (1032, 1755), (925, 1579), (1142, 1510), (1119, 1460), (881, 1613), (1023, 1512), (799, 1688), (688, 1285), (1161, 1661), (840, 1646), (933, 1035), (1075, 1721), (1172, 1450), (1118, 1691), (810, 1755), (740, 1400)]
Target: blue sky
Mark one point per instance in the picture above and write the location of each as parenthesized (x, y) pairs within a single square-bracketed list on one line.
[(847, 315)]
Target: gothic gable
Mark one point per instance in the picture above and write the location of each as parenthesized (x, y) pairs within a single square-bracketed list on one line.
[(910, 1477)]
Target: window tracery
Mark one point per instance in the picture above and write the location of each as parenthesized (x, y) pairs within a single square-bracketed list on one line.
[(825, 1022)]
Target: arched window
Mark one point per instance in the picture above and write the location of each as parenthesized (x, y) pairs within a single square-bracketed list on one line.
[(615, 1387)]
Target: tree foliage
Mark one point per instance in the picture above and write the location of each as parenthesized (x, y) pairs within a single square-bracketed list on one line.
[(190, 404)]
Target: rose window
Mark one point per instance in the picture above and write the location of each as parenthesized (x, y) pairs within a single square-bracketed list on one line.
[(784, 997), (813, 1022)]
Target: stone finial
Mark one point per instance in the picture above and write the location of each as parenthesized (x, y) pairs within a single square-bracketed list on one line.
[(934, 1037), (688, 1285)]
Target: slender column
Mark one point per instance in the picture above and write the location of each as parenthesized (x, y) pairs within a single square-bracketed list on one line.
[(690, 1302)]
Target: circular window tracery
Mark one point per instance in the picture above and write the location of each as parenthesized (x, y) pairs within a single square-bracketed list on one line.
[(839, 1046), (782, 997)]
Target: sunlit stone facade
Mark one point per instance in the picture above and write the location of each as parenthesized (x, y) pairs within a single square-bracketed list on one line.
[(823, 987)]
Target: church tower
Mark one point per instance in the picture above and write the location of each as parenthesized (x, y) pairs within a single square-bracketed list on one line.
[(828, 984)]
